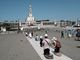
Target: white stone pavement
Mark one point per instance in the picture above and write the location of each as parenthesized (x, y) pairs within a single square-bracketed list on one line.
[(39, 50)]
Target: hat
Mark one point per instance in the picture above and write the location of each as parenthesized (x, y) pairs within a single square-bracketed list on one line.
[(54, 38), (41, 36), (46, 35)]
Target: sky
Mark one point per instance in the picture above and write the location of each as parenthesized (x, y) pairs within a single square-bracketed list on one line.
[(41, 9)]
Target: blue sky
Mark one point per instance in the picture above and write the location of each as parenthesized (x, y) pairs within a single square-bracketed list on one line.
[(41, 9)]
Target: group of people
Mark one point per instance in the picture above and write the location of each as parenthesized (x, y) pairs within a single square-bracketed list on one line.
[(46, 43), (68, 32), (30, 34)]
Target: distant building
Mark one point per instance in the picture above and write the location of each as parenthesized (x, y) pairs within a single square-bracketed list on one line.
[(30, 18), (66, 23)]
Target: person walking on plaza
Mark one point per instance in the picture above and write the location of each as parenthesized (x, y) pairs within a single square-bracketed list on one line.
[(62, 34), (46, 47), (78, 35), (26, 34), (30, 35), (41, 39)]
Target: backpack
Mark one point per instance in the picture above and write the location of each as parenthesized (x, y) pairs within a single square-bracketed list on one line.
[(58, 44)]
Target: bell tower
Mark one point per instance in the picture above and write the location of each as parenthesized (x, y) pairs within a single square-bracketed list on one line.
[(30, 19)]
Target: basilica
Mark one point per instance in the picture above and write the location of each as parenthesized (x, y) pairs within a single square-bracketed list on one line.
[(30, 21)]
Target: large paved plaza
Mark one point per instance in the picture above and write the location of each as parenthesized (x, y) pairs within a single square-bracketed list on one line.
[(17, 47), (69, 45)]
